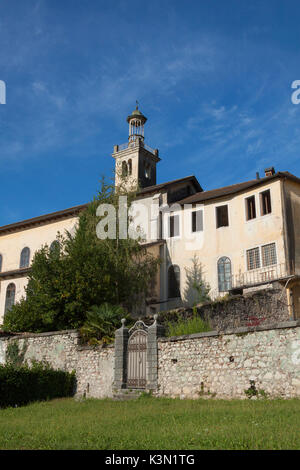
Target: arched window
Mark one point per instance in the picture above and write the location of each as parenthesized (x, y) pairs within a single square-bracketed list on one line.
[(25, 257), (10, 297), (173, 281), (124, 169), (1, 259), (54, 247), (148, 170), (130, 166), (224, 274)]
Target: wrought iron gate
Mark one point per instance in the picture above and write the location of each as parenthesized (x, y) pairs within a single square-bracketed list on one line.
[(137, 359)]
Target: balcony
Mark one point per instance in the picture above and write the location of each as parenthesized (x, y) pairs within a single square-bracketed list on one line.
[(137, 143), (255, 277)]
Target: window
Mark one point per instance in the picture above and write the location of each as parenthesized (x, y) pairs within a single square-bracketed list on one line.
[(250, 208), (265, 202), (54, 247), (124, 169), (130, 166), (222, 216), (197, 221), (261, 257), (173, 281), (148, 170), (174, 225), (224, 274), (253, 259), (25, 256), (1, 263), (10, 297), (268, 253)]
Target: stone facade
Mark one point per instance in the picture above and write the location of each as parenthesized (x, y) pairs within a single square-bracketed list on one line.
[(264, 359)]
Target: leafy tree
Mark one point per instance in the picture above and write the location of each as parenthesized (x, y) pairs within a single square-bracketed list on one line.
[(82, 271)]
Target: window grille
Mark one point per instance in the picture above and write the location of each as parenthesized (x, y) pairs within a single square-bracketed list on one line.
[(253, 259), (269, 254)]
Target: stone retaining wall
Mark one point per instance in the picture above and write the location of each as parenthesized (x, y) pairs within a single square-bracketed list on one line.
[(224, 365), (94, 366), (262, 307)]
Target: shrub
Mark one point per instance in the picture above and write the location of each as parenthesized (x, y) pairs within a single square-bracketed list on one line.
[(101, 323), (187, 327), (24, 384)]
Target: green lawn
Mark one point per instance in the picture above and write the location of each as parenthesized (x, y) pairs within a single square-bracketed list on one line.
[(149, 423)]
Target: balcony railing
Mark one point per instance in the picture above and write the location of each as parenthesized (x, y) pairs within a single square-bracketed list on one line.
[(260, 276), (138, 143)]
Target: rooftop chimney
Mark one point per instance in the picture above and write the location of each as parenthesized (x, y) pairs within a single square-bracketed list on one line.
[(270, 171), (257, 175)]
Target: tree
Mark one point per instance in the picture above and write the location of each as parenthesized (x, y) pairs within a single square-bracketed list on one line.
[(82, 271), (197, 290)]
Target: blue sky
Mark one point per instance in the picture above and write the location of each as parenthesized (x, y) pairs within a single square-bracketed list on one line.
[(213, 77)]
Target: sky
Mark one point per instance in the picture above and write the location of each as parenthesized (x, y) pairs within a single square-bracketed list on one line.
[(213, 78)]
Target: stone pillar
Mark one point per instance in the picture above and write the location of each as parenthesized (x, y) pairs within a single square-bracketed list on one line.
[(121, 344), (154, 332)]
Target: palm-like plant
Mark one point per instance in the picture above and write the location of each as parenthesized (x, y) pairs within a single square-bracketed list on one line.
[(101, 323)]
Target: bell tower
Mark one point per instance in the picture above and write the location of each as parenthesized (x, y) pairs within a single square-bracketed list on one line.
[(135, 162)]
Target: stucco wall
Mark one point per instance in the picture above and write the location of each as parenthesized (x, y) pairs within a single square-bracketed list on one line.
[(232, 241), (12, 244)]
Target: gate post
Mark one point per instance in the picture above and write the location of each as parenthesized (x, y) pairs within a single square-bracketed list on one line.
[(121, 345), (154, 332)]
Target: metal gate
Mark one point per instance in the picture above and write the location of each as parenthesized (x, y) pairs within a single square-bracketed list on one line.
[(137, 360)]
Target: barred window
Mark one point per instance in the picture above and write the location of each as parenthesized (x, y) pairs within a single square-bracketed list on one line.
[(268, 253), (224, 274), (253, 258), (25, 257), (10, 297), (1, 263)]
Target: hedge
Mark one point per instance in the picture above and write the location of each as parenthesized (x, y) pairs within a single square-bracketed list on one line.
[(24, 384)]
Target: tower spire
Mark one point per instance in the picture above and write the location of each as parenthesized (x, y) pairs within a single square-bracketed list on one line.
[(136, 121)]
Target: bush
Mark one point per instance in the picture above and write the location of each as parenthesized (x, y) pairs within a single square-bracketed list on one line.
[(187, 327), (101, 324), (24, 384)]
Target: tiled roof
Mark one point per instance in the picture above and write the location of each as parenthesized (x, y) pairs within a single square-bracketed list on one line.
[(235, 188)]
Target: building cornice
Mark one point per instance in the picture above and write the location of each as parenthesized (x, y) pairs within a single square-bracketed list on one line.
[(42, 220), (15, 273)]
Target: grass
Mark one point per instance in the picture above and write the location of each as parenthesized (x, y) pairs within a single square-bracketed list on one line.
[(152, 423), (187, 327)]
